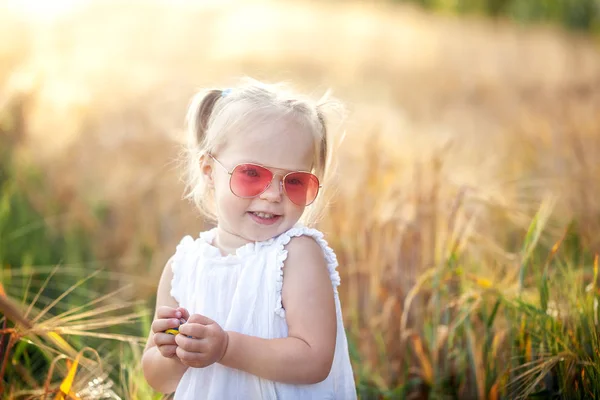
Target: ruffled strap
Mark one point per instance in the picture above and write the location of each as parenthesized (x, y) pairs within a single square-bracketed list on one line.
[(330, 258), (182, 252)]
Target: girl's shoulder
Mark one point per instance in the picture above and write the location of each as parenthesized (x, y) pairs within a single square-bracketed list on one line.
[(189, 244), (283, 245), (296, 234), (300, 230)]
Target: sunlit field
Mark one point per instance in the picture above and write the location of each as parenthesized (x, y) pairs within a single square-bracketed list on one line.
[(464, 206)]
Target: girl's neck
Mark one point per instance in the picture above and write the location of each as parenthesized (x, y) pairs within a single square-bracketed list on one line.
[(228, 242)]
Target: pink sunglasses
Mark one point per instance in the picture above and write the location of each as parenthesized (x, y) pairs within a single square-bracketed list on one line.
[(251, 180)]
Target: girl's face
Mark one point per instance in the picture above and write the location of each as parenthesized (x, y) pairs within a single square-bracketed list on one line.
[(283, 146)]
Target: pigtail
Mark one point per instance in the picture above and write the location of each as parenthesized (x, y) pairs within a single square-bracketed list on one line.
[(327, 109), (330, 114), (197, 120), (199, 114), (323, 150)]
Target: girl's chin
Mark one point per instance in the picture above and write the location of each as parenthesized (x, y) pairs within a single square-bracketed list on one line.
[(260, 233)]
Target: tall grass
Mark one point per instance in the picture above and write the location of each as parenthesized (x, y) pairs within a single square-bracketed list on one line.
[(435, 314), (58, 309)]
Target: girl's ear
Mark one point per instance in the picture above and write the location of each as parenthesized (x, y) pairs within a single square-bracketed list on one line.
[(206, 169)]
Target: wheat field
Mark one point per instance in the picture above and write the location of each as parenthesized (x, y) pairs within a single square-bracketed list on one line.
[(469, 146)]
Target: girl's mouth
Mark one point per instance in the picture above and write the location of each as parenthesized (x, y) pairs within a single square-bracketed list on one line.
[(264, 218)]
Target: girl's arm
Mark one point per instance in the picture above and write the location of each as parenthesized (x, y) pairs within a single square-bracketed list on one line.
[(162, 368), (306, 355)]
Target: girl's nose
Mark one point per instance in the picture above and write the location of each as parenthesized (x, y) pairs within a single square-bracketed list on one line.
[(274, 191)]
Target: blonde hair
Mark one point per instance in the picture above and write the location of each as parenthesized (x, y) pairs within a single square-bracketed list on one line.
[(216, 115)]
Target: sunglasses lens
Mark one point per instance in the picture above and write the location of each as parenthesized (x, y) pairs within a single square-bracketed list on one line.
[(249, 180), (301, 187)]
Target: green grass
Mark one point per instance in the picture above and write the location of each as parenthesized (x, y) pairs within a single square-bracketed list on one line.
[(579, 15), (65, 303)]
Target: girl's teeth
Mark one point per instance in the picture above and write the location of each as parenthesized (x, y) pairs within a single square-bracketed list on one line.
[(263, 215)]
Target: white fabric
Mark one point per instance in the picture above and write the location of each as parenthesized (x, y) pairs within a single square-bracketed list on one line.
[(242, 293)]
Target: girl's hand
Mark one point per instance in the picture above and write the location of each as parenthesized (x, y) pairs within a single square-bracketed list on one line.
[(167, 318), (202, 342)]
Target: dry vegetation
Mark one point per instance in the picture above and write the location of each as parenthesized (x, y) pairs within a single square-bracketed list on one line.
[(459, 132)]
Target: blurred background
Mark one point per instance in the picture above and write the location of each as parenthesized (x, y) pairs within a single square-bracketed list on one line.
[(465, 215)]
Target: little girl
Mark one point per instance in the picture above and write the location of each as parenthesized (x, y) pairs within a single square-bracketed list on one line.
[(251, 307)]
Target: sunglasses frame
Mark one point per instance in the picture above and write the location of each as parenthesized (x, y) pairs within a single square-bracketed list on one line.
[(281, 183)]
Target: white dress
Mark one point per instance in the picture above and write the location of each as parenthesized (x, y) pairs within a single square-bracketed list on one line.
[(242, 293)]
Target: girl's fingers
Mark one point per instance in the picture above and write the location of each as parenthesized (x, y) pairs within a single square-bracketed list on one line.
[(189, 357), (200, 319), (184, 313), (168, 350), (161, 325), (161, 339), (190, 344), (194, 330)]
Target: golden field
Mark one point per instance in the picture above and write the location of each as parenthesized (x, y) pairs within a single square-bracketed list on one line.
[(468, 148)]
